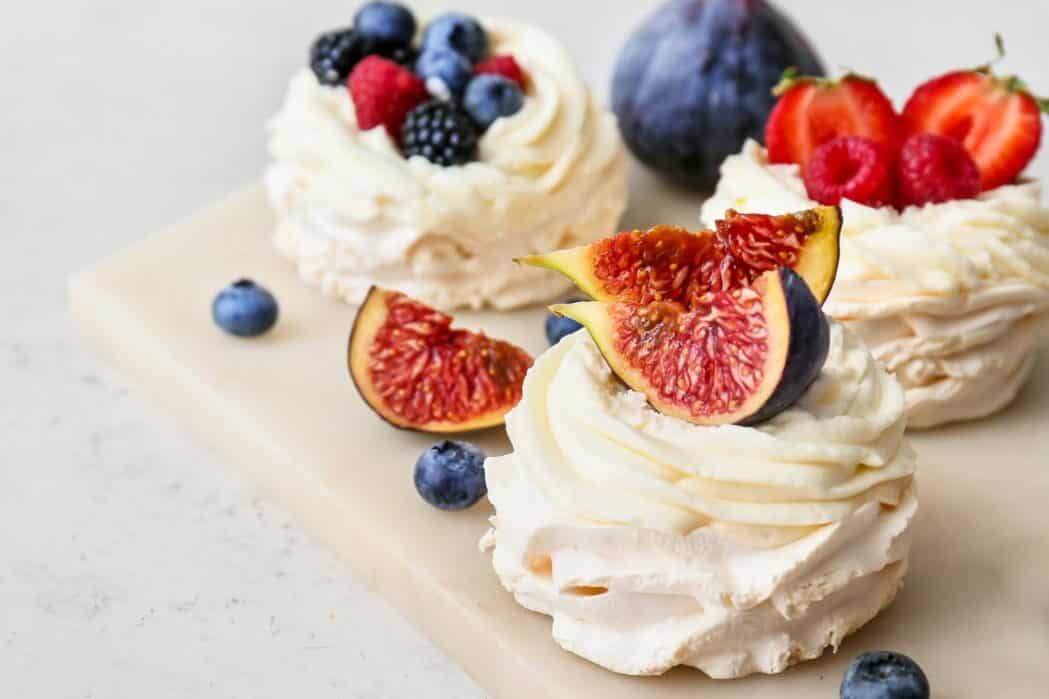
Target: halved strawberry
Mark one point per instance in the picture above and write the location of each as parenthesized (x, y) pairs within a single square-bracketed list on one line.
[(997, 119), (812, 111)]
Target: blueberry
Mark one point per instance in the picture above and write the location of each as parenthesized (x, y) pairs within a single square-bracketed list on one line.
[(558, 327), (458, 32), (882, 674), (244, 309), (695, 81), (385, 22), (450, 68), (450, 475), (489, 97)]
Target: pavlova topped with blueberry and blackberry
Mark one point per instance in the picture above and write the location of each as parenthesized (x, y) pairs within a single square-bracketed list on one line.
[(427, 158)]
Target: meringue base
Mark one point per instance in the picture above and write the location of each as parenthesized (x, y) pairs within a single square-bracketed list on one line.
[(456, 281), (944, 384), (628, 599)]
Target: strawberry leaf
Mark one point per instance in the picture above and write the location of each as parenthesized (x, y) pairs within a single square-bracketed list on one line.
[(786, 81), (999, 47)]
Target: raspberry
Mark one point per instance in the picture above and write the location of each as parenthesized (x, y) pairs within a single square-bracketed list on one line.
[(933, 169), (505, 66), (383, 93), (440, 132), (850, 167)]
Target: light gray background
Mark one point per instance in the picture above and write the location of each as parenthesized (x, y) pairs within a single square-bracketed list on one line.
[(134, 562)]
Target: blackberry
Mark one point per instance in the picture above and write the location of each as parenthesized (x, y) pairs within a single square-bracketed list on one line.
[(401, 55), (440, 132), (334, 54)]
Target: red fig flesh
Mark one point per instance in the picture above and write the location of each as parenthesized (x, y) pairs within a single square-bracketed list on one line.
[(418, 372), (737, 356), (673, 264)]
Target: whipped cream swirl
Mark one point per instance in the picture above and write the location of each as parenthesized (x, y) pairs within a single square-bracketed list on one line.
[(953, 298), (653, 542), (353, 212)]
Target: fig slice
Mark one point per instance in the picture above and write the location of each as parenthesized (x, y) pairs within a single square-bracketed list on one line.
[(738, 356), (669, 263), (418, 372)]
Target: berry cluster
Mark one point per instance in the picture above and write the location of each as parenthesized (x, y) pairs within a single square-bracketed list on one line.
[(436, 100), (958, 135)]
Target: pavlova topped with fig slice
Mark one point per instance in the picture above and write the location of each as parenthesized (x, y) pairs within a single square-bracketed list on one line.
[(712, 474), (945, 248)]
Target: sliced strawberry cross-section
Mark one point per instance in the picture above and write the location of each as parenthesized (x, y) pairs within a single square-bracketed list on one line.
[(813, 111), (997, 119)]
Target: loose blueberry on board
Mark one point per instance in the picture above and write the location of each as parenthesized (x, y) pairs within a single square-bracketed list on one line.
[(385, 22), (489, 97), (334, 55), (882, 674), (449, 67), (440, 132), (558, 327), (695, 81), (450, 475), (245, 309), (458, 32)]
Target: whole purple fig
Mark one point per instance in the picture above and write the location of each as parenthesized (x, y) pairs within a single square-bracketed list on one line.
[(695, 81)]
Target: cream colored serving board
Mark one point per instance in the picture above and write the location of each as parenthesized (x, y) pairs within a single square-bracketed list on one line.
[(975, 610)]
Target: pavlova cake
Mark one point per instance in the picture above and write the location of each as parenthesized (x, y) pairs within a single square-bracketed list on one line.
[(712, 474), (426, 160), (945, 248)]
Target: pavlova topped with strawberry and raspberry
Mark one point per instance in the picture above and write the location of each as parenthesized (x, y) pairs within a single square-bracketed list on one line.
[(427, 158), (945, 247)]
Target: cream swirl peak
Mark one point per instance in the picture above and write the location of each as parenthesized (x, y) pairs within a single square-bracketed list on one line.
[(953, 298), (603, 454), (653, 542), (352, 212)]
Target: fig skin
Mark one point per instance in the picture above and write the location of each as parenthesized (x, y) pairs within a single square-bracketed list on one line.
[(695, 81), (798, 339), (807, 352)]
